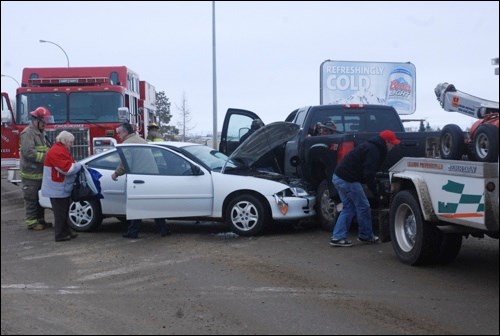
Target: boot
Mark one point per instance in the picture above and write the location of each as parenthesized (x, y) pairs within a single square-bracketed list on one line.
[(37, 227), (46, 224)]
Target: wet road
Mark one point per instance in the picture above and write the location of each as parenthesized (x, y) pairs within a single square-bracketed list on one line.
[(204, 280)]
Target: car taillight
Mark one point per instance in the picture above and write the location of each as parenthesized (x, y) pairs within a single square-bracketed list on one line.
[(344, 148)]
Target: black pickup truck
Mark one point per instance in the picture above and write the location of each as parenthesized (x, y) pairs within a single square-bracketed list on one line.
[(310, 142)]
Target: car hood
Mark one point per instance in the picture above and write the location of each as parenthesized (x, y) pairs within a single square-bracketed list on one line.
[(263, 141)]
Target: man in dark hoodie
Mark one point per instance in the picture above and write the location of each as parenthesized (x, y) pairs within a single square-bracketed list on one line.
[(359, 166)]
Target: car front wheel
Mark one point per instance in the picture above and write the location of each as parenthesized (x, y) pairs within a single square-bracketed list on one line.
[(85, 215), (246, 215)]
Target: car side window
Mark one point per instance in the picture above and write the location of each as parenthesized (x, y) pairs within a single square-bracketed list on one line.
[(171, 164), (108, 161)]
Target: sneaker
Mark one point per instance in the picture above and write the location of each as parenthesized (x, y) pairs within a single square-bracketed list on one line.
[(340, 242), (373, 240)]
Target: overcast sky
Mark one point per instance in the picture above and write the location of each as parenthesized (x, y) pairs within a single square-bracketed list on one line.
[(268, 53)]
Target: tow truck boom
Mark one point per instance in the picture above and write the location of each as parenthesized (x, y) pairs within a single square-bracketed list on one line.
[(452, 100)]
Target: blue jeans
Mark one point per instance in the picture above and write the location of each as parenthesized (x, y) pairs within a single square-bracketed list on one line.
[(134, 226), (354, 203)]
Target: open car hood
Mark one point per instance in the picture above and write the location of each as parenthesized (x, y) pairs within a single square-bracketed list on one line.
[(263, 141)]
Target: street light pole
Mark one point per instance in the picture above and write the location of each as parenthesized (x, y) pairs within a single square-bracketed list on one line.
[(57, 45), (15, 80), (214, 79)]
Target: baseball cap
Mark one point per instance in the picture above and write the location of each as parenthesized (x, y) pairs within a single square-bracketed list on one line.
[(389, 136)]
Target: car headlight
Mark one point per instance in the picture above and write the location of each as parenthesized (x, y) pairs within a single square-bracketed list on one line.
[(293, 192), (299, 192)]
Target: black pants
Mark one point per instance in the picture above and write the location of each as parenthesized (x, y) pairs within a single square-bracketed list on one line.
[(60, 207)]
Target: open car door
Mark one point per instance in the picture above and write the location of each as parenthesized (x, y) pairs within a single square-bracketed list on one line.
[(237, 122), (161, 183)]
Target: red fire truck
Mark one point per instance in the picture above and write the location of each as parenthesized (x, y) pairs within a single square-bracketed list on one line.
[(90, 102)]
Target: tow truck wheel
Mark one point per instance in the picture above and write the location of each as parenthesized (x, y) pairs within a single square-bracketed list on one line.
[(326, 207), (451, 142), (85, 216), (415, 241), (485, 143)]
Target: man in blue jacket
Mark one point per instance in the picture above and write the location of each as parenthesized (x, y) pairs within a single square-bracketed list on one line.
[(359, 166)]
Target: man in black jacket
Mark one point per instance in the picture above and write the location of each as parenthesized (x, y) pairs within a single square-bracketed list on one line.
[(359, 166)]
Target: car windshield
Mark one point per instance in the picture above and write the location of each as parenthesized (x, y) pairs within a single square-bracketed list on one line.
[(212, 158)]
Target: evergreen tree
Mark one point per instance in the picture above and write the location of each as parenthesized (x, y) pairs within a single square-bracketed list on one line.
[(164, 115)]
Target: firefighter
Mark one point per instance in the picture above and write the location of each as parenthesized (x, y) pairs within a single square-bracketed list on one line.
[(33, 147), (154, 132)]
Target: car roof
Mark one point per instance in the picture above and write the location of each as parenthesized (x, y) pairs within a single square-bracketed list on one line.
[(178, 144)]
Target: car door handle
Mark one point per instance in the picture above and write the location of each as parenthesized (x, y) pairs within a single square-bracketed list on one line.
[(138, 181)]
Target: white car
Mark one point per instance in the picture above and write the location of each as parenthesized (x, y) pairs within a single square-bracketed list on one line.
[(179, 180)]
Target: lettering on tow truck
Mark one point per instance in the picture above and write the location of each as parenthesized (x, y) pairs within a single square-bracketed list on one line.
[(425, 165), (462, 169)]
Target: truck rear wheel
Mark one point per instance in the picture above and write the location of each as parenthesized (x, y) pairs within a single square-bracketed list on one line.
[(326, 207), (415, 241), (452, 142), (485, 143)]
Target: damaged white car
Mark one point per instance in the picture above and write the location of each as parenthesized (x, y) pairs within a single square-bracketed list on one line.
[(185, 181)]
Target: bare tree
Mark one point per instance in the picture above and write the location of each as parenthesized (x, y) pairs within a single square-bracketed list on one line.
[(185, 123)]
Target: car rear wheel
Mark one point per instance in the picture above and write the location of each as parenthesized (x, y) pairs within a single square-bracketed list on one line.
[(85, 215), (246, 215)]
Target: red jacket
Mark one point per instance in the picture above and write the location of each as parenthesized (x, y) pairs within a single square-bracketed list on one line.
[(59, 172)]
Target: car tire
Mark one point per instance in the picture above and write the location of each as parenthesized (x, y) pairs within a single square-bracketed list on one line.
[(326, 207), (246, 215), (85, 216), (452, 142)]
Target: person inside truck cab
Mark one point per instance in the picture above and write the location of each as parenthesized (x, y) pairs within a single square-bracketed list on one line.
[(326, 128), (256, 124)]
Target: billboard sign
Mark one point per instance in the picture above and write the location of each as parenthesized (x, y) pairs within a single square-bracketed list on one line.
[(352, 82)]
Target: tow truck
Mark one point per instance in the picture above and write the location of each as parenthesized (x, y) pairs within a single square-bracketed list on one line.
[(435, 202), (481, 142)]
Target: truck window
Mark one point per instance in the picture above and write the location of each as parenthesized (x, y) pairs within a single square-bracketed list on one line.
[(55, 102), (380, 121), (94, 106)]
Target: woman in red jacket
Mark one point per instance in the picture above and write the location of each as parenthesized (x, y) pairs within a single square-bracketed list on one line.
[(59, 173)]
